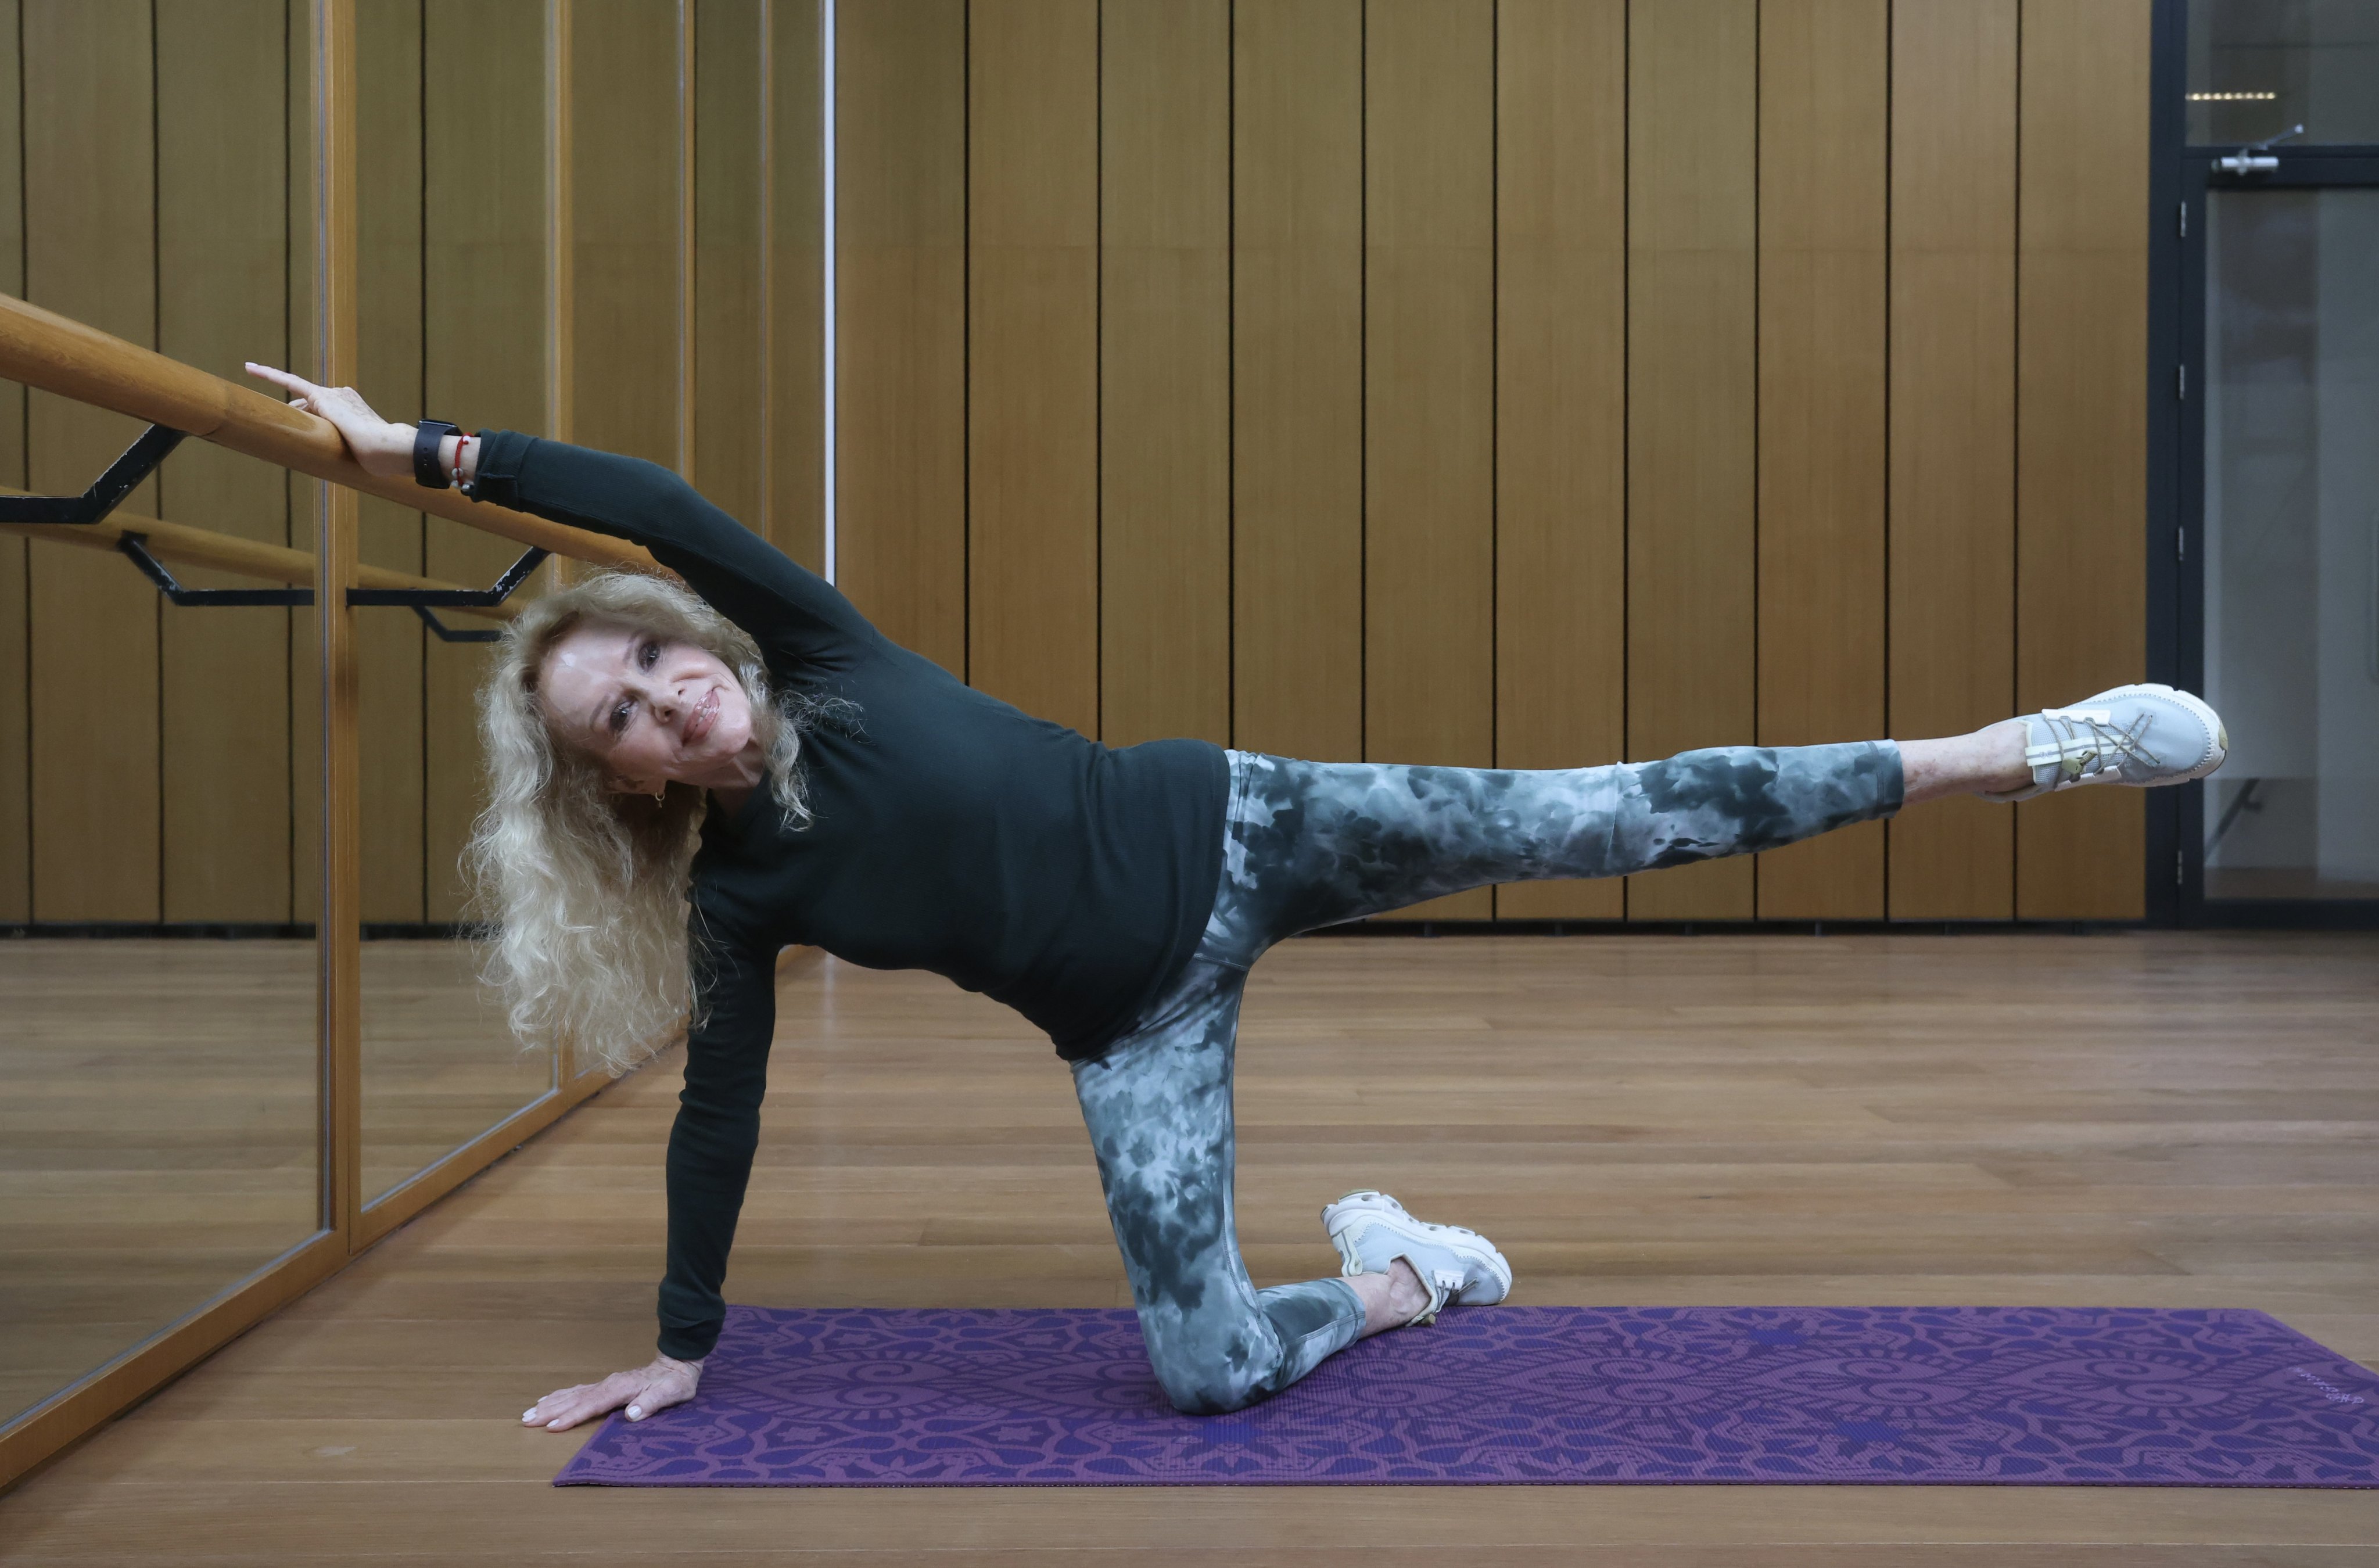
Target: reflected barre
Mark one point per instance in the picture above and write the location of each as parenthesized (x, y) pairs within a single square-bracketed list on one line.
[(83, 516), (185, 546), (57, 354), (421, 600)]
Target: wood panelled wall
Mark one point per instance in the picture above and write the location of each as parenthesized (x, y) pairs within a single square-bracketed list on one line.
[(1512, 383), (1522, 383), (162, 763)]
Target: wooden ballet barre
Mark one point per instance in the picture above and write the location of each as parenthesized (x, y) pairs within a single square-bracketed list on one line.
[(185, 545), (43, 349)]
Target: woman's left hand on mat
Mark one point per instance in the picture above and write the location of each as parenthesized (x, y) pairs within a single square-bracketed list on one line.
[(644, 1391)]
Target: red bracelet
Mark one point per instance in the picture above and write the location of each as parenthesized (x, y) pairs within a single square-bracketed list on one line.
[(461, 441)]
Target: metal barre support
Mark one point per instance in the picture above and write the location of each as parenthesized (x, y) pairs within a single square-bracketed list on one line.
[(106, 492), (421, 599), (446, 634), (140, 459), (136, 546), (459, 599)]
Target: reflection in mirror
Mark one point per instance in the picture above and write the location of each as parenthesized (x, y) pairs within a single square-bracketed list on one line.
[(450, 127), (160, 764), (2259, 68), (2292, 541), (157, 1140), (439, 1068), (158, 1134)]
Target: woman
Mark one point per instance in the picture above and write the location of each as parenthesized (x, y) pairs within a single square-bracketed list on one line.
[(761, 754)]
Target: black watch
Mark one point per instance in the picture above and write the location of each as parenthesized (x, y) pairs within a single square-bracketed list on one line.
[(427, 438)]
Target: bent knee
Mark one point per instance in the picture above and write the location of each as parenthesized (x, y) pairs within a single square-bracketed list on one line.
[(1195, 1391), (1209, 1384)]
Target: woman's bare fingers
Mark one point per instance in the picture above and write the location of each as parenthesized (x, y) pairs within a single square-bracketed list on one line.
[(304, 390), (561, 1417), (340, 405), (672, 1385), (381, 447), (641, 1392), (568, 1406), (545, 1409)]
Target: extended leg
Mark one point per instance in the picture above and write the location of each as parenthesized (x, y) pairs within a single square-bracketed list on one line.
[(2142, 735), (1315, 843), (1986, 762)]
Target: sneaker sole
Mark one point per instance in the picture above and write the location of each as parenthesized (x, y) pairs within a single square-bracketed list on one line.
[(1459, 1239)]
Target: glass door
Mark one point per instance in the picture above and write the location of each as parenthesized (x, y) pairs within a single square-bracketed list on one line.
[(2291, 541), (2277, 534)]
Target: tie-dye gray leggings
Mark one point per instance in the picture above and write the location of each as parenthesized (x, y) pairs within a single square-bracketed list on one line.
[(1312, 844)]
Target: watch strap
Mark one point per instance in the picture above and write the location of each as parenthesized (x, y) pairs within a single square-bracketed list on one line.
[(427, 438)]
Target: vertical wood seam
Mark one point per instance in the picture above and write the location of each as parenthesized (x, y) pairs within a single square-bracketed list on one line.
[(25, 446), (288, 519), (421, 269), (1758, 276), (1098, 368), (764, 519), (685, 181), (299, 780), (1627, 402), (561, 293), (1891, 119), (830, 47), (1226, 340), (966, 341), (2015, 455), (156, 608)]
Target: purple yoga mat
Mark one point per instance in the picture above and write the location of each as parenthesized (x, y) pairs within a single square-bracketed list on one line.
[(2008, 1395)]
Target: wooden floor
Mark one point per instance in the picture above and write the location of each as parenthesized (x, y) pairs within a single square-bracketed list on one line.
[(2160, 1120), (157, 1130)]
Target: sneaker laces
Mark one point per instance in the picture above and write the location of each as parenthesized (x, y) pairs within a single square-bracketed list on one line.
[(2085, 743), (1442, 1285)]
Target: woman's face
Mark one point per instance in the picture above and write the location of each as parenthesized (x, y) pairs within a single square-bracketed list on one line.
[(647, 707)]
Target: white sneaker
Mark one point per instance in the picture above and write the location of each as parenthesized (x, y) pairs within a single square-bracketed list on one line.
[(1457, 1267), (2143, 735)]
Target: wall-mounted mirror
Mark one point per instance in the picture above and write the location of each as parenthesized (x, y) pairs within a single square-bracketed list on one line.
[(451, 323), (160, 1135)]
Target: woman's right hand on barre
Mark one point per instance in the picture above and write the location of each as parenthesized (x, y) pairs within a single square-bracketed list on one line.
[(644, 1391), (379, 446)]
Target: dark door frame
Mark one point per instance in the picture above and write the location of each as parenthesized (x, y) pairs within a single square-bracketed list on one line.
[(2179, 178)]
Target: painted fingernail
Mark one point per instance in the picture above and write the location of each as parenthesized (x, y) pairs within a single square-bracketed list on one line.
[(636, 1412), (529, 1413)]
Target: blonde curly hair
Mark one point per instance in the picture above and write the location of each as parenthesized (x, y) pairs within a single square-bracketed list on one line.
[(583, 889)]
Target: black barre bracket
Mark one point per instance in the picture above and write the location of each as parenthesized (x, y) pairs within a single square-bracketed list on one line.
[(446, 634), (137, 547), (421, 600), (140, 460), (106, 492)]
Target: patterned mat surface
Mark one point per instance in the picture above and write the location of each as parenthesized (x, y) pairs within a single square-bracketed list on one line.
[(2041, 1396)]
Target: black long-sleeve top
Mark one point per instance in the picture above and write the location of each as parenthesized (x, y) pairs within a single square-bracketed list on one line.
[(949, 832)]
